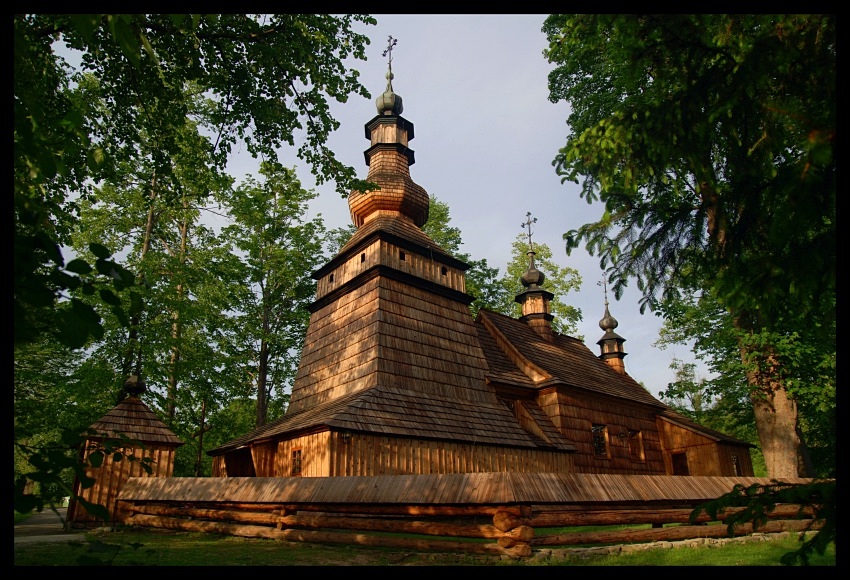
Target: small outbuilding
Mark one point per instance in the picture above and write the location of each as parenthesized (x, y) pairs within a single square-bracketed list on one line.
[(137, 436)]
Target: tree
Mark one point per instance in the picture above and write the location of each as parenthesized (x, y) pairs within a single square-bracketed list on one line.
[(809, 356), (268, 79), (687, 394), (278, 250), (144, 82), (710, 141)]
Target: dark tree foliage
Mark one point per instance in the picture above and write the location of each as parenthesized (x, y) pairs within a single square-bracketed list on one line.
[(710, 141)]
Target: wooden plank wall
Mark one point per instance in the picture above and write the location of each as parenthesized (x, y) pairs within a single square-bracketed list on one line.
[(575, 415), (315, 455), (726, 451), (702, 452), (383, 253), (263, 456), (111, 476), (372, 455)]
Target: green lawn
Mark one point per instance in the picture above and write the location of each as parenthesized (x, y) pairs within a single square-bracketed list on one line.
[(145, 547)]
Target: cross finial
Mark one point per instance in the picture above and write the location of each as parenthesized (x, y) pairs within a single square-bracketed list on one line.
[(527, 224), (391, 42), (604, 284)]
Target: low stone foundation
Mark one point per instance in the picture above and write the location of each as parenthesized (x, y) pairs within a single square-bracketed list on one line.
[(563, 553)]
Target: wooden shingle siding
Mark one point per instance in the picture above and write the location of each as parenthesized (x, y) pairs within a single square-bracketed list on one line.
[(332, 363)]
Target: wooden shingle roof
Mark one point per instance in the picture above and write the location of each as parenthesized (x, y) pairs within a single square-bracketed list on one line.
[(396, 411), (565, 361), (132, 418), (502, 488), (682, 421)]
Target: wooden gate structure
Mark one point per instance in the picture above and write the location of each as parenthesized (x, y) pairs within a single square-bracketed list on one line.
[(489, 513)]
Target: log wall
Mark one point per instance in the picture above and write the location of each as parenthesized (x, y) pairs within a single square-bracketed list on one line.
[(506, 530)]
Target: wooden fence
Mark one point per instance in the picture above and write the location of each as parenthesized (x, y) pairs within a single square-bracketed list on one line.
[(511, 530), (246, 507)]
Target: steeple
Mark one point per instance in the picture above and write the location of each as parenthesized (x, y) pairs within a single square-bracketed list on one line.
[(534, 299), (611, 343), (389, 160)]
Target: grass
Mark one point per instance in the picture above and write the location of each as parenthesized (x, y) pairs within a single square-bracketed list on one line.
[(146, 547)]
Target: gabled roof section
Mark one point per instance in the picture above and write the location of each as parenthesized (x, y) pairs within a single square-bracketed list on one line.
[(132, 418), (566, 360), (508, 345), (387, 410), (680, 420)]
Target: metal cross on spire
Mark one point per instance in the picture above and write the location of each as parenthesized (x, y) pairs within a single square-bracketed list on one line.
[(604, 284), (391, 42), (527, 224)]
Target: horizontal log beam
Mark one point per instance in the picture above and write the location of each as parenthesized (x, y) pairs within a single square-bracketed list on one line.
[(634, 516), (668, 534), (352, 508), (318, 537), (449, 529)]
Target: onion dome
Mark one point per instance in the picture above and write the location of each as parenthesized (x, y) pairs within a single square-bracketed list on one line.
[(608, 322), (533, 277), (389, 103)]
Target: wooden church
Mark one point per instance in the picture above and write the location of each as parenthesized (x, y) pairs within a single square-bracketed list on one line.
[(396, 377)]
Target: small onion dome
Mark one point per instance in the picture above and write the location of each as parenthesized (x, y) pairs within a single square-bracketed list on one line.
[(389, 103), (608, 322), (135, 386), (532, 276)]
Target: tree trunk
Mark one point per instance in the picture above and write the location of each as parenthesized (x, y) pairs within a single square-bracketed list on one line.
[(132, 338), (177, 325), (777, 420), (263, 370)]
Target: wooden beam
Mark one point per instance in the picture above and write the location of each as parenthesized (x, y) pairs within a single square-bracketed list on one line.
[(318, 537)]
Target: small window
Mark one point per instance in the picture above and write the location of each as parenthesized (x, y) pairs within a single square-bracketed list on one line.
[(295, 470), (362, 257), (444, 270), (680, 463), (736, 465), (636, 445), (331, 278), (402, 256), (600, 440)]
